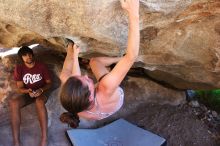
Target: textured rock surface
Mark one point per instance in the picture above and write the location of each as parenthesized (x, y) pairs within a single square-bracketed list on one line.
[(179, 38)]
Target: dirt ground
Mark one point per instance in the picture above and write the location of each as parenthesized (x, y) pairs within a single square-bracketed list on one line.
[(181, 125)]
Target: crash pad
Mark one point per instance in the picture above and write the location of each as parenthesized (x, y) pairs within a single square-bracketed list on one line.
[(117, 133)]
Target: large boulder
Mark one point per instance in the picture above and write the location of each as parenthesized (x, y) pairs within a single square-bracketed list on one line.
[(179, 38)]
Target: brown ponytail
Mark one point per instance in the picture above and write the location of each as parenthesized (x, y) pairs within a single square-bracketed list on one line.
[(70, 119)]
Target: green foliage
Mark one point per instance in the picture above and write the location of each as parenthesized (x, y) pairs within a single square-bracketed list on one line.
[(210, 98)]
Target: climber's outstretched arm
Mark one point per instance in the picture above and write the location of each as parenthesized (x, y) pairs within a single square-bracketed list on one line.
[(112, 80)]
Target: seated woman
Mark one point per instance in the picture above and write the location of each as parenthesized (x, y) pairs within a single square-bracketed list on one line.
[(79, 96)]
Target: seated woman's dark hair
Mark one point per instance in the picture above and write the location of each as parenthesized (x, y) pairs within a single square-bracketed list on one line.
[(74, 97), (25, 50)]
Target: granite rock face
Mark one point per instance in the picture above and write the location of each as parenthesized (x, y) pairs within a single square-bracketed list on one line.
[(180, 39)]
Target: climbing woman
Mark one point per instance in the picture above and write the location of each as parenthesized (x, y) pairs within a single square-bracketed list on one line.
[(80, 96)]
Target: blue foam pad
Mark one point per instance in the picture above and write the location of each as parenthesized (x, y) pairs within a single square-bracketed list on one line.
[(118, 133)]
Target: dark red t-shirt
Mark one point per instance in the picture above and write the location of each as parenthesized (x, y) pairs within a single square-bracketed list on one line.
[(33, 78)]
